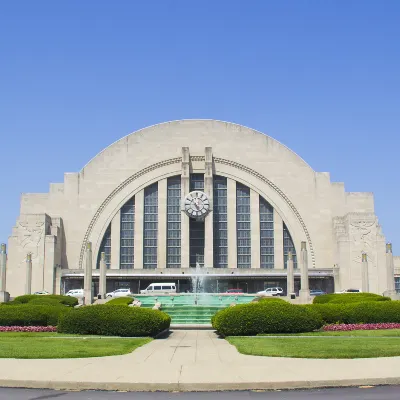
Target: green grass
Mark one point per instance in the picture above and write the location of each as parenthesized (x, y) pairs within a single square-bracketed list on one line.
[(362, 333), (37, 345), (322, 347)]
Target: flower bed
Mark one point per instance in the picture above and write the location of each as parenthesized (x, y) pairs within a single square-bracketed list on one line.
[(28, 329), (354, 327)]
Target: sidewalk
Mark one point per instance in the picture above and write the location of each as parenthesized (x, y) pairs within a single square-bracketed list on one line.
[(195, 360)]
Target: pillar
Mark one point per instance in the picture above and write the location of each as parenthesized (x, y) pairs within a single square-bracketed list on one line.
[(364, 274), (304, 289), (185, 188), (390, 291), (208, 223), (88, 275), (138, 230), (103, 276), (4, 295), (162, 224), (28, 282), (115, 241), (278, 241), (336, 278), (232, 238), (255, 229), (290, 274)]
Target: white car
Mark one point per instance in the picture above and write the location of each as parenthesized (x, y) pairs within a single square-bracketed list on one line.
[(275, 291), (349, 291), (120, 293), (78, 293), (41, 293)]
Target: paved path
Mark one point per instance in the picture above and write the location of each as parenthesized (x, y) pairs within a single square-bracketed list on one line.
[(195, 360)]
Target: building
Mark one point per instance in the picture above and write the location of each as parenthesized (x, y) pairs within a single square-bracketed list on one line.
[(220, 195)]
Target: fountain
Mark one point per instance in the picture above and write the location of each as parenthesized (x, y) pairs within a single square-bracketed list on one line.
[(197, 283)]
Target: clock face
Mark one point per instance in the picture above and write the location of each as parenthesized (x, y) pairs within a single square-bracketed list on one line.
[(197, 204)]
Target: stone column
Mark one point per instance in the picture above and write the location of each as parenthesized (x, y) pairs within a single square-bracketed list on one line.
[(278, 241), (255, 228), (208, 223), (364, 274), (336, 278), (115, 241), (28, 282), (390, 291), (305, 289), (138, 230), (103, 276), (162, 224), (88, 275), (232, 238), (4, 295), (290, 274), (185, 188)]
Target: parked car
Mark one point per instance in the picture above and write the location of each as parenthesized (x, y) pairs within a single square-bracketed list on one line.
[(78, 293), (234, 291), (41, 293), (274, 291), (159, 288), (120, 293), (317, 292), (349, 291)]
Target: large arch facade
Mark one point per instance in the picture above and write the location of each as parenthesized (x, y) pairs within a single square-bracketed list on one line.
[(56, 226)]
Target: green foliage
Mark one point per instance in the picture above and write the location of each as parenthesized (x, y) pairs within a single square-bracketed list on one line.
[(265, 317), (346, 298), (31, 315), (267, 300), (114, 320), (357, 313), (120, 301), (46, 299)]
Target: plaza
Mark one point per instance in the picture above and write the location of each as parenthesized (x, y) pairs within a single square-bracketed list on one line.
[(219, 195)]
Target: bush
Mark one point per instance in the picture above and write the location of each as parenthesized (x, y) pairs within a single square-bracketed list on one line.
[(346, 298), (120, 301), (265, 317), (267, 300), (31, 315), (358, 313), (114, 321), (46, 299)]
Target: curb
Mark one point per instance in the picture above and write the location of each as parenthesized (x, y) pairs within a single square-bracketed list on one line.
[(195, 386)]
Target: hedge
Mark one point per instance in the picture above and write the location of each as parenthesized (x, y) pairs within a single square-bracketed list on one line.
[(114, 320), (346, 298), (358, 313), (268, 300), (265, 317), (49, 299), (31, 315), (120, 301)]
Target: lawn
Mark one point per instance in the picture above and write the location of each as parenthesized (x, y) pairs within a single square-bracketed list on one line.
[(48, 345), (318, 347), (367, 333)]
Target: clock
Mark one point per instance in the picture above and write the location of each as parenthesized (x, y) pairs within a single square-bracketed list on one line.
[(196, 204)]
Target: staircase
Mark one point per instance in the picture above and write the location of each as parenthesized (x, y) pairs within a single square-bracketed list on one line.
[(191, 315)]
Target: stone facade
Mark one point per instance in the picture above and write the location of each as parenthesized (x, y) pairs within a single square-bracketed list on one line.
[(336, 226)]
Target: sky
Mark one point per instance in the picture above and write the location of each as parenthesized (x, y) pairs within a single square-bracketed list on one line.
[(322, 77)]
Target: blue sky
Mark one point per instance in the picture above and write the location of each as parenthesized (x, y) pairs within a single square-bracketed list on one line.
[(322, 77)]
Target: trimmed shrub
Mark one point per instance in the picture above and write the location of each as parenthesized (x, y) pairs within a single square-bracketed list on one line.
[(46, 299), (120, 301), (114, 321), (358, 313), (346, 298), (265, 317), (31, 315)]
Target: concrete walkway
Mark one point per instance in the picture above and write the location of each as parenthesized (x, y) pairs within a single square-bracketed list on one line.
[(195, 360)]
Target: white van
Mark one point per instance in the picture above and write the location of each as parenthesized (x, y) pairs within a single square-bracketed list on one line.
[(159, 288), (78, 293)]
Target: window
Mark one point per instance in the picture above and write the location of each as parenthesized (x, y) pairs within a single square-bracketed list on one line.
[(127, 234), (266, 234), (220, 223), (157, 287), (150, 227), (397, 283), (288, 246), (105, 247), (243, 229), (174, 222)]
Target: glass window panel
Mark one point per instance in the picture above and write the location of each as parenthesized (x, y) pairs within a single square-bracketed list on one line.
[(174, 222), (150, 226), (243, 226), (288, 245), (105, 247)]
